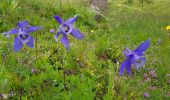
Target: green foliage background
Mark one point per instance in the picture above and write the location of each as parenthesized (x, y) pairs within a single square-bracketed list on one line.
[(89, 70)]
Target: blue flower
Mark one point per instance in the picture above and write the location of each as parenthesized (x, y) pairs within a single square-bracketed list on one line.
[(66, 27), (159, 41), (134, 57), (22, 30)]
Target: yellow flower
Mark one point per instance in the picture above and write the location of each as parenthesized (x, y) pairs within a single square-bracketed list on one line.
[(91, 73), (92, 31), (119, 5), (168, 28)]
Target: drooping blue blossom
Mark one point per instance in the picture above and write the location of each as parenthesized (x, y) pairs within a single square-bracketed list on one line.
[(23, 37), (134, 57), (66, 27)]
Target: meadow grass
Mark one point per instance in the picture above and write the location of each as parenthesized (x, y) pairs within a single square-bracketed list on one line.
[(89, 70)]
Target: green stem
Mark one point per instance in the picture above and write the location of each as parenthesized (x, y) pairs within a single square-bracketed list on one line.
[(64, 73), (36, 49), (60, 5)]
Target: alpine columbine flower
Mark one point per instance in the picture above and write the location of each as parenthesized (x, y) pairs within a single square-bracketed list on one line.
[(23, 30), (134, 57), (66, 27)]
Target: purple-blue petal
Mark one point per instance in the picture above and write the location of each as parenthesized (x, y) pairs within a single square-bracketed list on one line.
[(30, 43), (139, 53), (125, 65), (128, 67), (143, 60), (76, 33), (22, 24), (17, 44), (12, 31), (138, 63), (143, 46), (71, 20), (33, 28), (58, 19), (65, 42)]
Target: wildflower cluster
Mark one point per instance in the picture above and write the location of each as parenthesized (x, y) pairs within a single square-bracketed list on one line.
[(150, 76), (134, 58)]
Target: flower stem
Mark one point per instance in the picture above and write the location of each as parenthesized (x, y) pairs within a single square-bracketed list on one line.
[(36, 49), (64, 74)]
